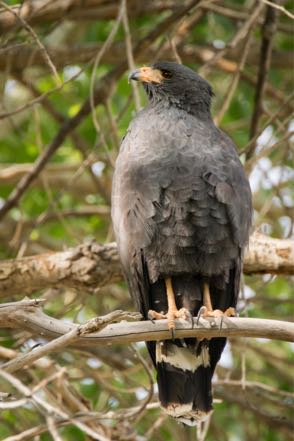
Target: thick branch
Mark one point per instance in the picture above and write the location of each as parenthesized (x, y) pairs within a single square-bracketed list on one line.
[(28, 316), (88, 266), (91, 266), (268, 255)]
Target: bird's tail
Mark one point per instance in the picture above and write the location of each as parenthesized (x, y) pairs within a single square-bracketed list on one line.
[(185, 366), (184, 380)]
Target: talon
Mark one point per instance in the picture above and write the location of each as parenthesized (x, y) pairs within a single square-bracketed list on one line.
[(154, 315), (221, 322), (150, 316), (201, 313), (191, 319), (188, 316), (173, 333)]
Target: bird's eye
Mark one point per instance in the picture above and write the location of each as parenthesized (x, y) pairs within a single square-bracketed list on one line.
[(166, 74)]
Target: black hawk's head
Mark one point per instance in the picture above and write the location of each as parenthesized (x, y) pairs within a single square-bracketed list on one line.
[(175, 84)]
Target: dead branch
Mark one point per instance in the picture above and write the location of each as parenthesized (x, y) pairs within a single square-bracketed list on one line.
[(49, 409), (87, 266), (91, 266), (27, 316), (94, 325), (269, 255)]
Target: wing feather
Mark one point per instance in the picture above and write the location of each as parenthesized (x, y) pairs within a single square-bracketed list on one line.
[(178, 210)]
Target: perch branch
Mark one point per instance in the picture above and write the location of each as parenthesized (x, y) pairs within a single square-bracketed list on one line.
[(28, 316), (91, 266), (94, 325)]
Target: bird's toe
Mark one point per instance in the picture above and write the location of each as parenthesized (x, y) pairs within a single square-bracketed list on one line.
[(154, 315)]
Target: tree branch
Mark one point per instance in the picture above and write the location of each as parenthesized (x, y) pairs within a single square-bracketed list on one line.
[(49, 409), (94, 325), (268, 255), (268, 30), (16, 58), (39, 12), (27, 316), (91, 266), (87, 266), (272, 420), (100, 94)]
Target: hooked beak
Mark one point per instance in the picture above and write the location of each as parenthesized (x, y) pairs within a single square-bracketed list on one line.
[(146, 75)]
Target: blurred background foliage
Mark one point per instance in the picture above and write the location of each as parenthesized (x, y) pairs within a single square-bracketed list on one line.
[(51, 52)]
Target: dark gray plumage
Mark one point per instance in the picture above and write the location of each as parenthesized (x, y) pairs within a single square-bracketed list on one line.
[(181, 208)]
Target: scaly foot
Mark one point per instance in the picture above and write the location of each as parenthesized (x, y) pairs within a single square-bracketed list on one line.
[(171, 316), (216, 313)]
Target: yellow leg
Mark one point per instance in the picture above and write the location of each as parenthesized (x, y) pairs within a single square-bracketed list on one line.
[(172, 307), (173, 312), (206, 297), (208, 311)]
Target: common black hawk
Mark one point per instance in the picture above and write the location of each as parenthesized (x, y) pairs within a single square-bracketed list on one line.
[(181, 210)]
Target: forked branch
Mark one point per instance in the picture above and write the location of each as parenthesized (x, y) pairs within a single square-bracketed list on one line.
[(28, 316)]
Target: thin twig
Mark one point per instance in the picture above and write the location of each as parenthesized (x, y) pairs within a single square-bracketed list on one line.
[(130, 55), (99, 56), (39, 99), (43, 49), (48, 408), (138, 413), (234, 83), (100, 94), (279, 8), (52, 429), (267, 123), (239, 36), (268, 31)]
